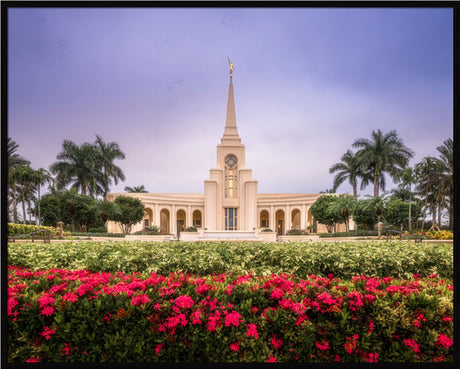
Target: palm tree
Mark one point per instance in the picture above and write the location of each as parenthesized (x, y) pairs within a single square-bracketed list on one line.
[(446, 156), (407, 176), (77, 166), (383, 153), (349, 168), (429, 185), (26, 188), (40, 177), (106, 209), (136, 189), (108, 152), (344, 204), (14, 158)]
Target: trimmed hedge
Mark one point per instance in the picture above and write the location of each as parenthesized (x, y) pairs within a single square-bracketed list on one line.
[(62, 316), (19, 229), (397, 259)]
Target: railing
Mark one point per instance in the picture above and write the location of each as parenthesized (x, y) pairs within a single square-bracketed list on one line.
[(46, 236)]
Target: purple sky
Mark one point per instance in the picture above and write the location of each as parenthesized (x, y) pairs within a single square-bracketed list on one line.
[(308, 82)]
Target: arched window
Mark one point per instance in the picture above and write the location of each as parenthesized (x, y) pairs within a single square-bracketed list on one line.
[(231, 180), (197, 218)]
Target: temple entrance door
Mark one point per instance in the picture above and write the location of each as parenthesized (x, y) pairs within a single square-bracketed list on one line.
[(280, 222)]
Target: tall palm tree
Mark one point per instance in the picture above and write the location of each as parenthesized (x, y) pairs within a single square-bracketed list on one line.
[(107, 153), (12, 156), (349, 168), (446, 156), (106, 209), (407, 176), (383, 153), (136, 189), (26, 188), (77, 166), (40, 177)]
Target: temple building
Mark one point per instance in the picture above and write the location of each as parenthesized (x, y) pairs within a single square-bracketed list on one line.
[(230, 206)]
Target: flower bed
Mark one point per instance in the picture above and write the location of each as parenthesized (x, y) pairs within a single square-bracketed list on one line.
[(344, 259), (58, 315)]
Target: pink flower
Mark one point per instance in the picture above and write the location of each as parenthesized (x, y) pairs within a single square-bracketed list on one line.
[(159, 348), (70, 296), (33, 360), (47, 310), (277, 293), (45, 300), (271, 359), (235, 346), (252, 331), (196, 317), (411, 343), (47, 332), (350, 343), (372, 358), (11, 305), (444, 341), (139, 300), (203, 288), (232, 318), (322, 346), (184, 302), (66, 349), (277, 342), (337, 358)]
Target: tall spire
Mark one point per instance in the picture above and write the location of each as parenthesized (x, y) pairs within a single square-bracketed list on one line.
[(231, 132)]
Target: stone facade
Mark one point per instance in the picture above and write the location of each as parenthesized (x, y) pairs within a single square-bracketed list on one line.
[(230, 202)]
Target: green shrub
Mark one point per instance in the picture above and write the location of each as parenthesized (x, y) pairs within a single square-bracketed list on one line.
[(191, 229), (399, 259), (98, 230), (296, 232), (63, 316), (20, 229)]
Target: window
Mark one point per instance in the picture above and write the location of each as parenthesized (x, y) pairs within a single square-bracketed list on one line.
[(197, 219), (231, 219), (146, 222), (231, 165)]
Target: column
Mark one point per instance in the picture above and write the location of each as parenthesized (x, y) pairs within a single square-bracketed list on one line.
[(156, 215), (287, 219), (189, 217), (271, 218), (303, 217), (173, 219)]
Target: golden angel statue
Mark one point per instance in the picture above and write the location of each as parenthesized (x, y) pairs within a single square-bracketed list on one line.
[(231, 66)]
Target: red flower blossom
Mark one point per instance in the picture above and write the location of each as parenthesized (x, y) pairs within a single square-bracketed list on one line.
[(235, 346), (324, 345), (139, 300), (271, 359), (47, 332), (277, 342), (411, 343), (159, 348), (47, 310), (66, 349), (45, 300), (70, 296), (252, 331), (34, 360), (372, 358), (444, 341), (184, 302), (232, 318)]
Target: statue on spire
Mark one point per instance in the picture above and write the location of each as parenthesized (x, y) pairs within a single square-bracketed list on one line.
[(231, 66)]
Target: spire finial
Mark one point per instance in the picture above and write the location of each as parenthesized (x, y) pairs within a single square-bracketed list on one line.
[(231, 67)]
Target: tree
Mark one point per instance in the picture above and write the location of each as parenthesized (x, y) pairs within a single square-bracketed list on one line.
[(396, 212), (343, 205), (13, 157), (407, 176), (106, 209), (107, 153), (383, 153), (323, 214), (78, 166), (40, 177), (131, 212), (136, 189), (349, 168), (446, 151), (364, 214), (24, 176)]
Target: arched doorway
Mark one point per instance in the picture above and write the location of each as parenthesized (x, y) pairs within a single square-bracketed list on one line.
[(197, 219), (295, 219), (180, 221), (164, 221), (264, 218), (148, 217), (280, 222)]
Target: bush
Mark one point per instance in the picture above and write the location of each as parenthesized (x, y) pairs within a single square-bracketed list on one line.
[(440, 235), (191, 229), (153, 230), (296, 232), (78, 316), (358, 233), (20, 229), (398, 259), (98, 230)]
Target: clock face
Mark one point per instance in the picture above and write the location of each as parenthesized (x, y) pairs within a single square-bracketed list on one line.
[(231, 161)]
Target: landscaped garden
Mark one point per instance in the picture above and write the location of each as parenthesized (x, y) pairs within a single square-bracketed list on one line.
[(362, 301)]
